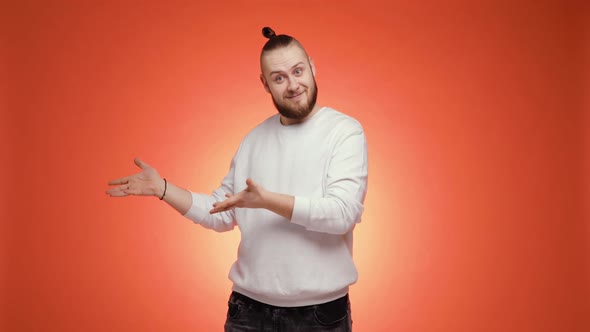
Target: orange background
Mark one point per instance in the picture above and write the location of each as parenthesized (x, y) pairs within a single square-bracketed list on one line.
[(476, 115)]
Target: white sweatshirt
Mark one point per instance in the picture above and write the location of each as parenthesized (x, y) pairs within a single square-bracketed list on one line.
[(307, 260)]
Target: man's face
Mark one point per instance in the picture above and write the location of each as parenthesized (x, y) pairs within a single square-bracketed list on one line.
[(288, 74)]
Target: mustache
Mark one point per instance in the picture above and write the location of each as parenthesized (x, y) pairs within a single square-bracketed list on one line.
[(295, 94)]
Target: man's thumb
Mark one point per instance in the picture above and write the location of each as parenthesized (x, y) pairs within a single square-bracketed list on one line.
[(140, 163), (250, 183)]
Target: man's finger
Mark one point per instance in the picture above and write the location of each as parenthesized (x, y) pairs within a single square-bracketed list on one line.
[(116, 192), (230, 201), (124, 180), (250, 182), (120, 194), (221, 209), (140, 163), (221, 205), (133, 191)]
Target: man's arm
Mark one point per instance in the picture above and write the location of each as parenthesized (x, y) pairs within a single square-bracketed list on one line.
[(149, 183), (340, 208), (191, 205), (254, 196)]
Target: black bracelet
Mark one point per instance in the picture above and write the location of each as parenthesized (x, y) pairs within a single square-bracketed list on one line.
[(165, 187)]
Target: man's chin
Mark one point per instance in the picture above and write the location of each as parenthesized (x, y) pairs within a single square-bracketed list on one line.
[(294, 110), (295, 114)]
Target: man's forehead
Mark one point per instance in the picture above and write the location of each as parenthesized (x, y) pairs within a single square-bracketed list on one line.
[(282, 58)]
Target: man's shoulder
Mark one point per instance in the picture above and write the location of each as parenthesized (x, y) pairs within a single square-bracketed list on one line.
[(340, 120), (262, 127), (269, 122)]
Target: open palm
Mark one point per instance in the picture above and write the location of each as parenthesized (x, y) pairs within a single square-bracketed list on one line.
[(251, 197), (145, 183)]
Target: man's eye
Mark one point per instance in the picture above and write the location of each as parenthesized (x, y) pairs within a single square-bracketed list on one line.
[(298, 71), (278, 78)]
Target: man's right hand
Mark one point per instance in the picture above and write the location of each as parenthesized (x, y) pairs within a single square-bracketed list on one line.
[(145, 183)]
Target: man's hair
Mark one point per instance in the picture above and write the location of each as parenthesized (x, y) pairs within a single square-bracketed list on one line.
[(277, 41)]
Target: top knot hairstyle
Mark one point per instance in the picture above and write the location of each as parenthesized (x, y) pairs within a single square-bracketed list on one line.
[(276, 41), (268, 32)]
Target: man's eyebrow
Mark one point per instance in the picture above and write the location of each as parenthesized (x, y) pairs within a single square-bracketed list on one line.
[(280, 71)]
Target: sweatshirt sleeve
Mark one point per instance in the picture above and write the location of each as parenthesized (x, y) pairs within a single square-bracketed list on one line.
[(341, 206), (202, 204)]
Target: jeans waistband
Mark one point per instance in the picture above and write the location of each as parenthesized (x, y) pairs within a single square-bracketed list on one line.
[(256, 305)]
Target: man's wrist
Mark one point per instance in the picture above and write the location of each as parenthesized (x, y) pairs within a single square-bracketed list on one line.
[(160, 187), (265, 199), (165, 187), (280, 204)]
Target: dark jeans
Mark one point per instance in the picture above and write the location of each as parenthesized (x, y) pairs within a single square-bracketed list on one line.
[(245, 314)]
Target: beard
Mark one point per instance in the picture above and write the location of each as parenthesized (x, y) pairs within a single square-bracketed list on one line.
[(297, 111)]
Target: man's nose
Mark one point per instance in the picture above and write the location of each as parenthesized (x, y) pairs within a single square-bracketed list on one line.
[(293, 84)]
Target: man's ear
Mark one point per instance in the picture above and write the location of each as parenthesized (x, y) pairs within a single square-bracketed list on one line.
[(312, 66), (263, 81)]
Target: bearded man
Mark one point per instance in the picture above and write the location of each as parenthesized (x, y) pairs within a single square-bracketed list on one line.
[(295, 189)]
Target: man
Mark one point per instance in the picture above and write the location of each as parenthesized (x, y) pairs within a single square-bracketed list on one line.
[(295, 189)]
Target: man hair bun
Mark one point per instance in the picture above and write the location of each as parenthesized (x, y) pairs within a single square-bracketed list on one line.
[(268, 32)]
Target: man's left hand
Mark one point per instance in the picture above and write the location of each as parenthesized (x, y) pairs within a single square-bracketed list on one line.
[(251, 197)]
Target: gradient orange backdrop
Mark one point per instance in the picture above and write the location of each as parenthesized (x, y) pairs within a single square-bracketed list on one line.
[(476, 115)]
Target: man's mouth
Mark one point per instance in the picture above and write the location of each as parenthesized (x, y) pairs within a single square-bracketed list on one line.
[(297, 95)]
